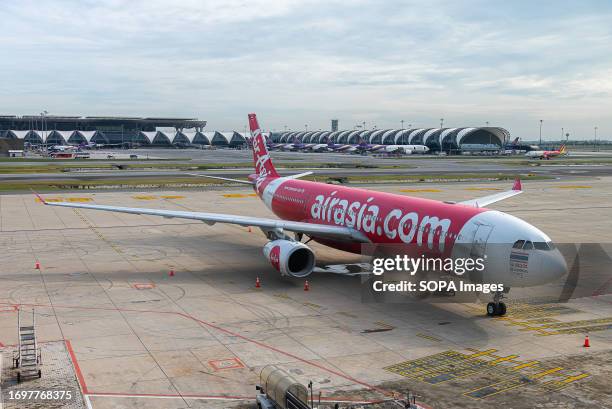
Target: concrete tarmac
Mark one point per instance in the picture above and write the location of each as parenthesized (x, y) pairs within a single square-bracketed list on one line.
[(373, 165), (139, 338)]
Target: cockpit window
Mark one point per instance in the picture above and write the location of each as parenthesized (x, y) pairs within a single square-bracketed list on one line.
[(538, 245), (541, 245)]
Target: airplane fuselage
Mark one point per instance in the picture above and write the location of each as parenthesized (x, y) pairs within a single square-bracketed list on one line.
[(542, 154), (430, 227)]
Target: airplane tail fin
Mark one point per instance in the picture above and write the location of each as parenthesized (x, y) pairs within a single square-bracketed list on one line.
[(261, 158), (562, 149)]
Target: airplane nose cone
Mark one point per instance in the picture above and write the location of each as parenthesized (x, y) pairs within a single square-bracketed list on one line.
[(554, 266)]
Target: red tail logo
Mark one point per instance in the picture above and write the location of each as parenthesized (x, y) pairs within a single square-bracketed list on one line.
[(263, 163)]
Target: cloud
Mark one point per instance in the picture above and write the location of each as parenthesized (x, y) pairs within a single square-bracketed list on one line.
[(297, 62)]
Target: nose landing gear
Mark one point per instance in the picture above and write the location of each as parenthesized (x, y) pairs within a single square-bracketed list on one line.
[(496, 307)]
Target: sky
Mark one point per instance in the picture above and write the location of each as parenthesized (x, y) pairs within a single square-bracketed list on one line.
[(302, 63)]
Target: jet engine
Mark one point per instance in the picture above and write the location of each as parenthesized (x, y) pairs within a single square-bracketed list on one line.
[(290, 257)]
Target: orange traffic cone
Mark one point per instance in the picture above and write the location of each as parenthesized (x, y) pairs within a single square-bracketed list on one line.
[(249, 229), (171, 273), (37, 265), (587, 343), (306, 286)]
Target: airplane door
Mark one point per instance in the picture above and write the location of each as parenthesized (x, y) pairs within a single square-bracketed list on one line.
[(479, 244)]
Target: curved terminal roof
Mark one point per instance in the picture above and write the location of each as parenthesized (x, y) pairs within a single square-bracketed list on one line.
[(307, 136), (209, 136), (189, 135), (323, 137), (93, 136), (333, 137), (310, 136), (365, 135), (434, 138), (388, 138), (353, 137), (58, 137), (343, 137), (401, 138), (235, 139), (376, 136), (416, 136), (287, 137), (429, 137)]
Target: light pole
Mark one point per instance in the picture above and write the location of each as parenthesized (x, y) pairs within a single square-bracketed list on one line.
[(306, 126), (562, 133), (402, 122), (487, 123), (541, 120), (596, 139), (45, 113), (409, 126), (441, 122), (42, 130), (43, 123), (363, 123)]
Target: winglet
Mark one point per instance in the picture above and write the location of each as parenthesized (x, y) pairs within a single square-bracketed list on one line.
[(39, 197), (517, 184)]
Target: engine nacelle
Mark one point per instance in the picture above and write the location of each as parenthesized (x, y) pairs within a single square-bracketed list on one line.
[(290, 257)]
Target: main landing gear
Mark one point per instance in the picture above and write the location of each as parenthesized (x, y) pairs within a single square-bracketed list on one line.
[(496, 307)]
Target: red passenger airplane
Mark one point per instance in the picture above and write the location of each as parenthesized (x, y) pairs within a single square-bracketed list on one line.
[(547, 154), (345, 218)]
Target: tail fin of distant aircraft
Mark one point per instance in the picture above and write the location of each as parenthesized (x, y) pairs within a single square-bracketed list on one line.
[(515, 141), (261, 158), (562, 150)]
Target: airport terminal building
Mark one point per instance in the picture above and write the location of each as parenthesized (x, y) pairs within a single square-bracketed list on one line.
[(179, 132), (451, 140), (120, 131)]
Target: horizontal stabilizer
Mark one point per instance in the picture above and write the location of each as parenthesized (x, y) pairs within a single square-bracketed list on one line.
[(244, 182), (487, 200), (299, 175)]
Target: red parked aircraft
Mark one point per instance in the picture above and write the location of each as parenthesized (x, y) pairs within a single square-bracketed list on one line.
[(547, 154), (345, 218)]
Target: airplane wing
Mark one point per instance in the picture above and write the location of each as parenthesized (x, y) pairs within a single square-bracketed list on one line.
[(310, 229), (487, 200)]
